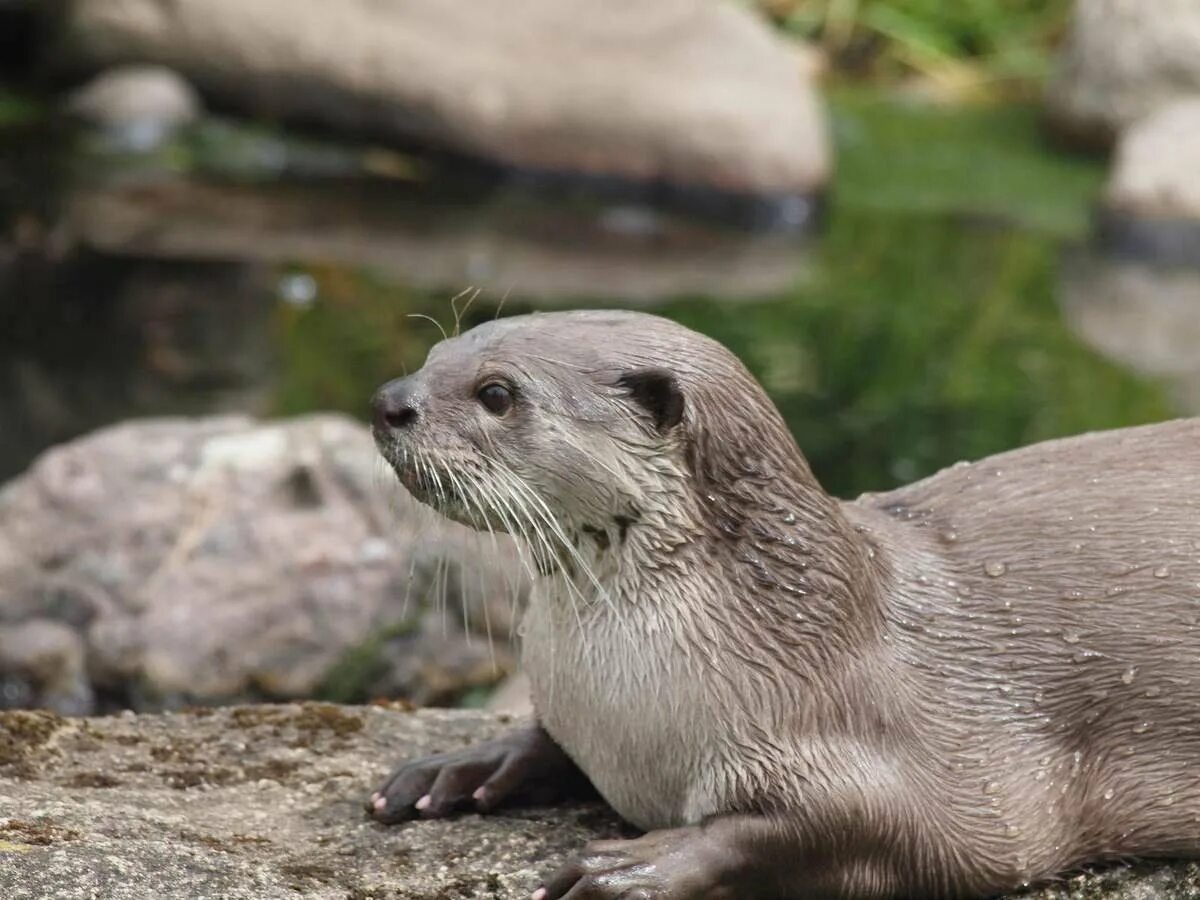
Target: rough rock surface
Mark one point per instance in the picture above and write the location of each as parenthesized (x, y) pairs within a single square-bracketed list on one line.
[(1156, 165), (1122, 60), (692, 92), (177, 560), (250, 803)]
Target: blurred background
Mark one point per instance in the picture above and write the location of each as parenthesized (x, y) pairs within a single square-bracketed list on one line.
[(933, 230)]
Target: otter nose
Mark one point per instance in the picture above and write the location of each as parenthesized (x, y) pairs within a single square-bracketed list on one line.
[(393, 407)]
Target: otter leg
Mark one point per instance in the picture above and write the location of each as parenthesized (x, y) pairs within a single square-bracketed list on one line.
[(524, 764), (727, 858)]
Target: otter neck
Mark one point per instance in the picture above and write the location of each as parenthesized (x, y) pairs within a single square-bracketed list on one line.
[(763, 542), (779, 531)]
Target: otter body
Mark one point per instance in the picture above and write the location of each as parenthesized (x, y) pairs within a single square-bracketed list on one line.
[(980, 680)]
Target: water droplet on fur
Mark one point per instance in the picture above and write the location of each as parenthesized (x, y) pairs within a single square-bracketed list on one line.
[(1153, 691), (1109, 794), (1074, 595), (1084, 656), (1128, 675), (992, 787), (789, 518), (1010, 828), (994, 568), (1162, 572), (1071, 637), (1141, 728), (1116, 591), (949, 536), (1077, 547)]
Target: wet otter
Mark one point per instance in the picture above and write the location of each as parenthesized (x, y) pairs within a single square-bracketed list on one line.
[(977, 681)]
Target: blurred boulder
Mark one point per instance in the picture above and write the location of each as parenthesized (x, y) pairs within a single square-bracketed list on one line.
[(140, 106), (1157, 163), (211, 559), (1152, 203), (1144, 316), (694, 93), (1122, 60)]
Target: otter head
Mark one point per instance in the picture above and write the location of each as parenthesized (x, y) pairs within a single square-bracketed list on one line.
[(557, 425)]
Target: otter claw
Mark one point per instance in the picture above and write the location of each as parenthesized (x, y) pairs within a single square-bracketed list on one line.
[(482, 777)]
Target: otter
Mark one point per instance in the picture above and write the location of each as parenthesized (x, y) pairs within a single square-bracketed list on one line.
[(953, 689)]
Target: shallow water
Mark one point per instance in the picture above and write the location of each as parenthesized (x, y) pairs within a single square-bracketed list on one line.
[(238, 270)]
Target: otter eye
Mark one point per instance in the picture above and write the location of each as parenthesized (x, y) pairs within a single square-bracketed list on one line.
[(496, 398)]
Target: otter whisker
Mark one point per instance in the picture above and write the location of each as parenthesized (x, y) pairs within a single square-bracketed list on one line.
[(539, 506), (427, 471), (431, 319), (470, 501), (548, 517), (519, 528), (500, 305), (484, 596), (481, 494), (543, 542), (459, 313), (450, 478)]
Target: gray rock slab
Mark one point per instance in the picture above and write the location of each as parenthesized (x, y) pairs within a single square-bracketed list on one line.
[(249, 803)]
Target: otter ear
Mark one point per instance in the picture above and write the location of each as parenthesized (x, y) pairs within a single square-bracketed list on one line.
[(656, 391)]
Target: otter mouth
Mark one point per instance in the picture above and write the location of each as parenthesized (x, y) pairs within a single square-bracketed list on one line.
[(428, 486)]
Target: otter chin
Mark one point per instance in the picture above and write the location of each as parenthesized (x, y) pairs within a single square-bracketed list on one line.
[(976, 682)]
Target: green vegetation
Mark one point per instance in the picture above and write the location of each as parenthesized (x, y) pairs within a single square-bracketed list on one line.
[(986, 160), (962, 47)]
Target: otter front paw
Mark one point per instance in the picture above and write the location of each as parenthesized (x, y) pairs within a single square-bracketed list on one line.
[(525, 763), (675, 864)]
